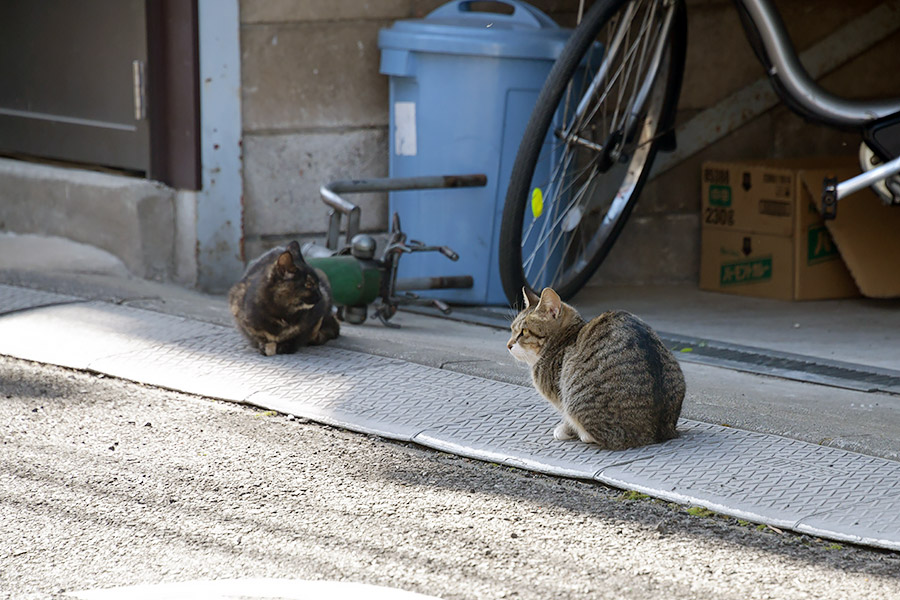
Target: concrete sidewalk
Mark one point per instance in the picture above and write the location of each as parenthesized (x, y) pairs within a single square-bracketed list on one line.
[(451, 385)]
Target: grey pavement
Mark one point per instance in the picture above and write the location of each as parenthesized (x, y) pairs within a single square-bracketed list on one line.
[(282, 589), (750, 444)]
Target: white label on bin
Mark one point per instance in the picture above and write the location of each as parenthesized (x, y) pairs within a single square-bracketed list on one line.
[(405, 128)]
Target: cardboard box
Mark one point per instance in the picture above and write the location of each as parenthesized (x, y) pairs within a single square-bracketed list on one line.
[(762, 234), (867, 234)]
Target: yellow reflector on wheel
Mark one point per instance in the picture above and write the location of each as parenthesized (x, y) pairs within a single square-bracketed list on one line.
[(537, 202)]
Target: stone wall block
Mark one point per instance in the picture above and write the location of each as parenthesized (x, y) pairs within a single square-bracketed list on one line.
[(284, 11), (283, 174), (311, 76)]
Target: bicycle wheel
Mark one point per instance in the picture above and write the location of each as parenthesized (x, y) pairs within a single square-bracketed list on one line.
[(604, 111)]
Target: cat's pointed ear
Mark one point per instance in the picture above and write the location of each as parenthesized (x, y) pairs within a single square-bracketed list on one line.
[(294, 249), (550, 302), (530, 297), (285, 263)]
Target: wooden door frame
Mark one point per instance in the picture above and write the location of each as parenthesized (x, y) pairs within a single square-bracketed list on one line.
[(173, 84)]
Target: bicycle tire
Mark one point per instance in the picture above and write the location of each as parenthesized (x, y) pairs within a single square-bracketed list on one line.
[(553, 100)]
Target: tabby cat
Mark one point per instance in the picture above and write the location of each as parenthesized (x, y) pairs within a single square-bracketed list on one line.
[(281, 303), (614, 382)]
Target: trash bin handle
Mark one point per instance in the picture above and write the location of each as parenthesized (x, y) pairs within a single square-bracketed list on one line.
[(522, 13)]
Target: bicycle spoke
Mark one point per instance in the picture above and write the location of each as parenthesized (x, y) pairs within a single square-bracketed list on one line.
[(637, 83), (559, 176), (550, 224), (631, 58), (653, 70), (596, 152), (546, 233), (611, 50), (565, 252), (555, 227), (601, 100), (560, 172)]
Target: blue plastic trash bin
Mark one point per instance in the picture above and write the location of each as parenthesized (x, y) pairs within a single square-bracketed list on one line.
[(462, 87)]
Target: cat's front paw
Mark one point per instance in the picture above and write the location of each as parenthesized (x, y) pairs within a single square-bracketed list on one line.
[(586, 438), (563, 432)]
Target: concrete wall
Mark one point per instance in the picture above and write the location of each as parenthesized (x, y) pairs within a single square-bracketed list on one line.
[(136, 220), (315, 109)]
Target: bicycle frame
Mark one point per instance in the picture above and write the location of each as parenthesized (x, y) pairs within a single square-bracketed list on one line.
[(768, 35), (769, 38), (803, 93)]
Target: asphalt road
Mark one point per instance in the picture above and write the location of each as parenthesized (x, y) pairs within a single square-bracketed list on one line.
[(106, 483)]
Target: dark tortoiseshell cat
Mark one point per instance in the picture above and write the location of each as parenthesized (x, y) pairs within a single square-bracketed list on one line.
[(281, 303), (614, 382)]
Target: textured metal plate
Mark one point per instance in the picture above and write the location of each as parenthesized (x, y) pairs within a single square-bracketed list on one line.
[(363, 392), (872, 521), (527, 442), (15, 298), (76, 335), (823, 491), (758, 477)]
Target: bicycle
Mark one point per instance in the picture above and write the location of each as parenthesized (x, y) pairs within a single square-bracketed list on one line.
[(608, 107)]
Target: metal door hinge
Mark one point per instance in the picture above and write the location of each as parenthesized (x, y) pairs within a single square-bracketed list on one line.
[(140, 90)]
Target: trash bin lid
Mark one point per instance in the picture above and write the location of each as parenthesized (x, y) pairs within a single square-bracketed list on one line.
[(456, 29)]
